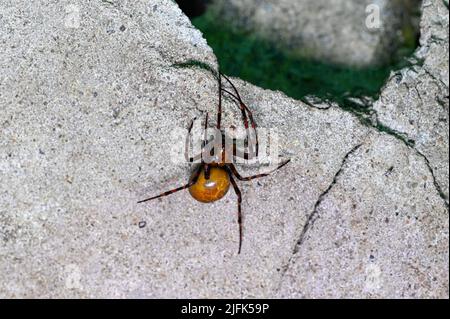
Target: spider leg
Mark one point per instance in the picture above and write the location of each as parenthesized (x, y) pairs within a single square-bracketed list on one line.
[(219, 107), (242, 105), (241, 154), (248, 178), (205, 137), (244, 109), (205, 140), (188, 143), (191, 182), (195, 158), (243, 112), (244, 118), (239, 198), (236, 99)]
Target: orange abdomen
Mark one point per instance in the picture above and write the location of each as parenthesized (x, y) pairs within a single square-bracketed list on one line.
[(214, 188)]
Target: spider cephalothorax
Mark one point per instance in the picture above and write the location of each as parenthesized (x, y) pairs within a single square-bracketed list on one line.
[(211, 180)]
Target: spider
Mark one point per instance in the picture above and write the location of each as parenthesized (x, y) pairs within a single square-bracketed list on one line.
[(211, 180)]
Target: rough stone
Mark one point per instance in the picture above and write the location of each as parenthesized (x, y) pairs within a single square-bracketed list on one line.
[(380, 232), (337, 31), (87, 111), (415, 100), (89, 99)]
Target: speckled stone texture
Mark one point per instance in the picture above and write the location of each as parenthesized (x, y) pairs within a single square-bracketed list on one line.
[(348, 32), (380, 232), (89, 99), (415, 101)]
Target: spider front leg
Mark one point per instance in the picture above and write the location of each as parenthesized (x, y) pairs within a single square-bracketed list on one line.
[(244, 109), (191, 182), (219, 107), (187, 145), (205, 141), (239, 197), (238, 153), (248, 178)]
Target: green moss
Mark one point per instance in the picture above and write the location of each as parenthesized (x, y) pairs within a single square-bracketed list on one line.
[(243, 55)]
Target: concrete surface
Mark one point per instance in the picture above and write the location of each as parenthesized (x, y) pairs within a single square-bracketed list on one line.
[(378, 233), (415, 101), (89, 98)]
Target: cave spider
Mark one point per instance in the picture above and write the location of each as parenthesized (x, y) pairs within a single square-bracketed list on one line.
[(211, 180)]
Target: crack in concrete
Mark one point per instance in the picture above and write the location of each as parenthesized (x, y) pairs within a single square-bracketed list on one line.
[(402, 136), (435, 182), (435, 78), (314, 215), (311, 104), (378, 126), (410, 144)]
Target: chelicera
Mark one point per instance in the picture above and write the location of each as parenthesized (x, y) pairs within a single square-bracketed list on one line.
[(211, 180)]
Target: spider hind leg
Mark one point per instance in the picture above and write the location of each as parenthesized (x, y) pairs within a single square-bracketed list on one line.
[(239, 198), (191, 182)]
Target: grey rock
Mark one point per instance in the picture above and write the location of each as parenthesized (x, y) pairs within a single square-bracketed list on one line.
[(337, 31), (415, 100), (88, 107), (381, 231), (90, 97)]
